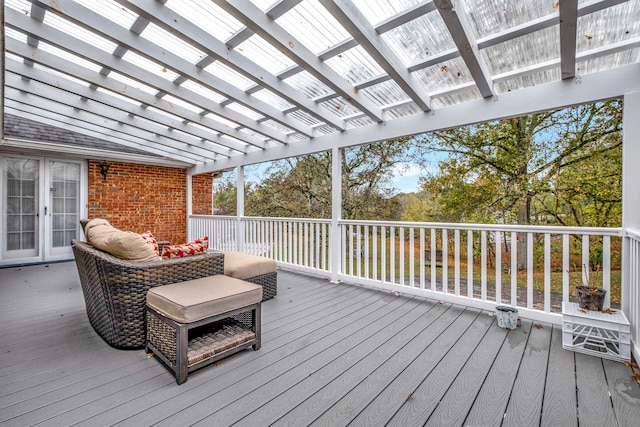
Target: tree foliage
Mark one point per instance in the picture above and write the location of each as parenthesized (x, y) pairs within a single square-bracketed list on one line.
[(300, 187), (561, 167)]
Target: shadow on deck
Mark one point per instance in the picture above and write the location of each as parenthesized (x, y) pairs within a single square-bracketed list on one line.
[(331, 355)]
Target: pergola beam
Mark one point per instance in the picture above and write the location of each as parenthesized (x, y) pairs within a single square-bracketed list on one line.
[(131, 125), (266, 28), (185, 30), (455, 20), (88, 52), (356, 24), (568, 28), (52, 112), (92, 21)]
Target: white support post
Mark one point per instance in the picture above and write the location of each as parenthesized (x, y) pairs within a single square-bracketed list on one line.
[(240, 209), (189, 206), (335, 244), (630, 209)]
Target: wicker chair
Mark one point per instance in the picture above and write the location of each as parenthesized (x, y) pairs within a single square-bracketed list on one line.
[(115, 290)]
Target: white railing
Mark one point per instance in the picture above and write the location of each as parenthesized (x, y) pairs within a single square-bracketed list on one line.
[(632, 294), (549, 261), (302, 244), (472, 264)]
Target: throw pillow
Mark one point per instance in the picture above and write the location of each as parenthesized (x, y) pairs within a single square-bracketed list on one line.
[(150, 240), (196, 247), (122, 244)]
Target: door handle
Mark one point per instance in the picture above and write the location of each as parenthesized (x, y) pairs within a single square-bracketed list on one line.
[(45, 211)]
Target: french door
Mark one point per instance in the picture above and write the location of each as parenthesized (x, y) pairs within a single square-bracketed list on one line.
[(42, 201)]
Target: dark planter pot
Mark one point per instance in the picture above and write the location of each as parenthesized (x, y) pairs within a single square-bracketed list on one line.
[(590, 298)]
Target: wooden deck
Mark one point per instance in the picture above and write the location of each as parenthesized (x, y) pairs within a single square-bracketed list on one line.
[(331, 355)]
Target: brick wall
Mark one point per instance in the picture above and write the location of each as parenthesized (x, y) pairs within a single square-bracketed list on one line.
[(201, 200), (141, 197)]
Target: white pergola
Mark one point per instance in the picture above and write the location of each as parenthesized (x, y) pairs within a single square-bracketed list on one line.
[(212, 85)]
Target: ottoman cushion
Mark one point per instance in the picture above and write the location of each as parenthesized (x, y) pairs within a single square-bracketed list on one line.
[(245, 266), (193, 300)]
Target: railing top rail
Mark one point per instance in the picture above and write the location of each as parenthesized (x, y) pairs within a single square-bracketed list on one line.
[(601, 231), (633, 233), (275, 219), (494, 227)]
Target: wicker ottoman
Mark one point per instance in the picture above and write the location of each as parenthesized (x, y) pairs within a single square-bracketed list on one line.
[(253, 268), (189, 324)]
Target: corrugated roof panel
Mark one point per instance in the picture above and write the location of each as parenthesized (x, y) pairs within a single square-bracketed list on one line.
[(63, 54), (608, 61), (78, 32), (132, 83), (172, 44), (309, 85), (355, 65), (150, 66), (313, 26), (488, 17), (244, 110), (256, 49), (385, 93), (179, 102), (420, 39), (304, 117), (455, 98), (230, 76), (445, 75), (529, 80), (377, 11), (207, 16), (521, 52), (611, 25), (339, 106), (201, 90), (272, 99), (116, 13)]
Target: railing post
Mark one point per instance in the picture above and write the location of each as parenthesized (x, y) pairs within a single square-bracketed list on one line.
[(240, 209), (335, 244), (189, 207)]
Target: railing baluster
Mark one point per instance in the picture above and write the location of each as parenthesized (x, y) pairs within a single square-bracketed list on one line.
[(445, 262), (374, 237), (433, 259), (392, 254), (530, 271), (366, 251), (565, 267), (401, 256), (412, 256), (547, 273), (383, 255), (585, 255), (606, 269), (359, 250), (498, 246), (514, 269), (483, 265), (470, 263), (421, 258)]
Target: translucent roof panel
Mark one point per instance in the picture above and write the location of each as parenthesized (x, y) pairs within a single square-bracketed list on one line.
[(607, 62), (529, 80), (201, 90), (116, 13), (596, 30), (230, 76), (78, 32), (379, 10), (385, 93), (67, 56), (356, 65), (420, 39), (207, 16), (272, 99), (310, 23), (457, 97), (442, 76), (309, 85), (155, 68), (525, 51), (488, 17), (270, 58), (132, 83), (172, 44)]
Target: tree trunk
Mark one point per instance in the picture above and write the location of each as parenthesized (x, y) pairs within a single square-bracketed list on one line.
[(523, 219)]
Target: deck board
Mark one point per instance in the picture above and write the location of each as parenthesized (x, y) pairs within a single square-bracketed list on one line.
[(332, 354)]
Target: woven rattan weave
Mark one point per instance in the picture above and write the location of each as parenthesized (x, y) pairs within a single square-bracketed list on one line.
[(115, 290)]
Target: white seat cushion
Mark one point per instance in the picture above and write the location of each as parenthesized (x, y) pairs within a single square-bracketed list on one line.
[(193, 300)]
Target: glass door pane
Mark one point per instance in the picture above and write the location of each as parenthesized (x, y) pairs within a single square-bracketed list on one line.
[(64, 204), (21, 184)]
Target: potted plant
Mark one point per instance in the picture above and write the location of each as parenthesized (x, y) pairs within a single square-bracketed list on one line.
[(589, 297)]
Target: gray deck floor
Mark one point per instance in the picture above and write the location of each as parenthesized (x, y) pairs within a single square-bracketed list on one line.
[(331, 355)]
